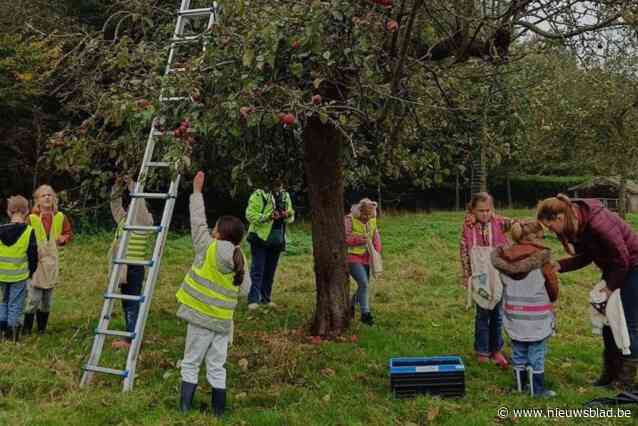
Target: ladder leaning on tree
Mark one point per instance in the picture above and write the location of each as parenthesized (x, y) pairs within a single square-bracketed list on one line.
[(184, 14)]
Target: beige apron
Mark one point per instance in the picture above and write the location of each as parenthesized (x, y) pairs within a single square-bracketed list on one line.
[(46, 275)]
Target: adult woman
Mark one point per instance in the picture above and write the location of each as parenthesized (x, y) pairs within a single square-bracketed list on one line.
[(591, 233), (268, 213), (361, 227)]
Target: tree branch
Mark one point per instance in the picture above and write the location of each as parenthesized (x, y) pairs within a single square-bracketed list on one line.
[(560, 36)]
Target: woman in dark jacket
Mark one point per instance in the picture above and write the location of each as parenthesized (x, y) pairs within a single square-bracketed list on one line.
[(591, 233)]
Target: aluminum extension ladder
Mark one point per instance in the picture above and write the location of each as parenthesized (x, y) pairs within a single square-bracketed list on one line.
[(111, 296)]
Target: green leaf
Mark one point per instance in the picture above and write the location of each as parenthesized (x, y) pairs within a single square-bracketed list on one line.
[(323, 117), (249, 56), (296, 69)]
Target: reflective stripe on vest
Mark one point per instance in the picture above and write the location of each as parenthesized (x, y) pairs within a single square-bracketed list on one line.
[(207, 290), (528, 312), (359, 230), (14, 264), (136, 242)]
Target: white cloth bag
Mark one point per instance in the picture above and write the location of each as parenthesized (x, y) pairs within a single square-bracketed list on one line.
[(484, 285)]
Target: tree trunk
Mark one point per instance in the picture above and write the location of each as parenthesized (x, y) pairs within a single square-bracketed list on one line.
[(510, 203), (324, 175), (457, 195), (622, 196), (483, 170)]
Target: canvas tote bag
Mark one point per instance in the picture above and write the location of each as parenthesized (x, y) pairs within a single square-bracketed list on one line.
[(484, 286)]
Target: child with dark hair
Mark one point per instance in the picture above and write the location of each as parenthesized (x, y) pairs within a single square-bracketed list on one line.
[(18, 262), (483, 231), (208, 297)]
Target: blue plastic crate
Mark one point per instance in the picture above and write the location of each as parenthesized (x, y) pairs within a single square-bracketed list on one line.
[(436, 375)]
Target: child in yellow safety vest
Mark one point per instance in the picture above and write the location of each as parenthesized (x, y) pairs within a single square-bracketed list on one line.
[(18, 262), (53, 231), (208, 297), (131, 277)]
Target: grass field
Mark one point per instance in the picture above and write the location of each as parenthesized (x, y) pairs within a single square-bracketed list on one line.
[(419, 309)]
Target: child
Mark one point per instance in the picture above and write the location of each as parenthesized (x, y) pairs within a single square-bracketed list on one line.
[(53, 231), (208, 297), (361, 226), (18, 262), (530, 286), (482, 232), (131, 278)]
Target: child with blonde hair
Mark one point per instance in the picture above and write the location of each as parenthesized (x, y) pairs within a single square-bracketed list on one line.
[(18, 262), (53, 231), (530, 286), (484, 231)]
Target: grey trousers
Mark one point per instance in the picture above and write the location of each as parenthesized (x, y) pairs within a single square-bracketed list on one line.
[(38, 299), (202, 343)]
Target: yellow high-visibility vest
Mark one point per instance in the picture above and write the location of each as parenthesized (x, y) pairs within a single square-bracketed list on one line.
[(137, 243), (359, 229), (14, 263), (208, 291)]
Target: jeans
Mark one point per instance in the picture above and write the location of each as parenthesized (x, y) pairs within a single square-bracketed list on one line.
[(262, 272), (487, 332), (629, 298), (361, 274), (133, 287), (530, 354), (13, 296)]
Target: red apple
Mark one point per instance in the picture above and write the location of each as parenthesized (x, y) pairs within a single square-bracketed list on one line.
[(392, 25), (244, 111), (296, 44), (316, 99), (287, 119)]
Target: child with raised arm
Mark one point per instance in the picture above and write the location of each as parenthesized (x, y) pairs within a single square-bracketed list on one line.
[(483, 231), (53, 232), (208, 297), (131, 278)]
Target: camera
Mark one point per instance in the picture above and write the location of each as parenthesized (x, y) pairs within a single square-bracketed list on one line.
[(280, 202)]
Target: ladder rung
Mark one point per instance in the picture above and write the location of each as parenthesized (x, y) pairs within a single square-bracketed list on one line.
[(133, 262), (142, 228), (115, 333), (185, 39), (152, 195), (121, 296), (195, 12), (158, 164), (175, 70), (96, 369), (174, 98), (162, 133)]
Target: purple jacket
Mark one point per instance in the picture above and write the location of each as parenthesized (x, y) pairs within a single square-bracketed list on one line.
[(606, 240)]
